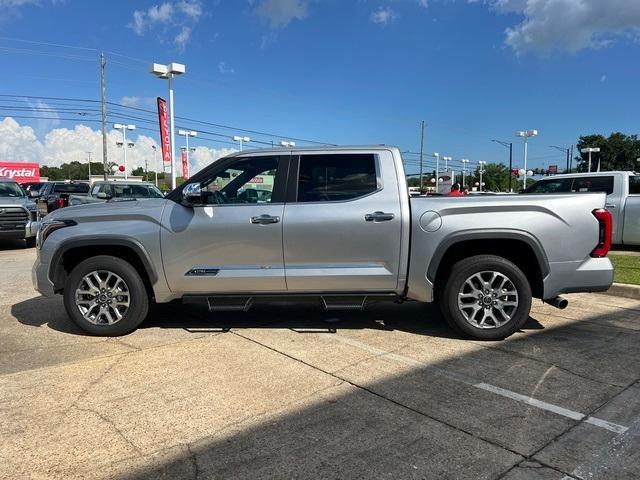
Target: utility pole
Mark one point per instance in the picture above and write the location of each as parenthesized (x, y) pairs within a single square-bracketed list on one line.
[(104, 116), (571, 159), (421, 151)]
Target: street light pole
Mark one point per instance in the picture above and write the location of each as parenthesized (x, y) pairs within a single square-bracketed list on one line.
[(446, 163), (464, 170), (124, 128), (187, 134), (155, 161), (89, 158), (437, 155), (526, 134), (240, 140), (168, 72), (481, 165), (590, 150), (286, 144), (421, 154)]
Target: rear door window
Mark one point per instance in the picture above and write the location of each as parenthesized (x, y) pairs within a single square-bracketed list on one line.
[(634, 185), (593, 184), (555, 185), (71, 188), (339, 177)]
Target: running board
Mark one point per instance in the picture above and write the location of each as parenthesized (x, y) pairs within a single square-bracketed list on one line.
[(229, 304), (343, 302)]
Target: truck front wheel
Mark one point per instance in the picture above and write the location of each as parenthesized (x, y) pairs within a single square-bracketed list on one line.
[(486, 297), (105, 296)]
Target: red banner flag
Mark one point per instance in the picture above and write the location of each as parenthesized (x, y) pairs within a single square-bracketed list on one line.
[(165, 137), (185, 165)]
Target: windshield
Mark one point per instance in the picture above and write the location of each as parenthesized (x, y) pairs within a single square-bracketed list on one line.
[(10, 189)]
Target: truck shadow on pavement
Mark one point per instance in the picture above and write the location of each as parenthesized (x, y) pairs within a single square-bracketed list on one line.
[(411, 317)]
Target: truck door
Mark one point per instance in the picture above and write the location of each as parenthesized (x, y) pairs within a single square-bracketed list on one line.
[(342, 223), (631, 225), (232, 242)]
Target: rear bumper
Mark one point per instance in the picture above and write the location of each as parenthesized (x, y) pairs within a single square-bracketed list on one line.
[(590, 275)]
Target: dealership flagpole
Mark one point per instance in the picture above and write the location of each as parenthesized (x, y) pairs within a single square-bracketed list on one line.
[(104, 116)]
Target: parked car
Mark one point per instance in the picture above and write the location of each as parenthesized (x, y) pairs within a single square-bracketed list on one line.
[(623, 198), (18, 213), (103, 191), (340, 228), (54, 195)]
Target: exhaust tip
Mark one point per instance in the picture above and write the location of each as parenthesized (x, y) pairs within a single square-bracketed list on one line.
[(558, 302)]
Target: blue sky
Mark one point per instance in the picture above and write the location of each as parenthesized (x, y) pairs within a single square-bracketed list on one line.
[(346, 72)]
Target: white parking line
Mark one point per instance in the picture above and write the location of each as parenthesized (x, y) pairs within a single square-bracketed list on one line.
[(564, 412)]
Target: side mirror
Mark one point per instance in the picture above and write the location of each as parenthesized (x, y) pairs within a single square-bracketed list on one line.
[(34, 193), (192, 194), (103, 196)]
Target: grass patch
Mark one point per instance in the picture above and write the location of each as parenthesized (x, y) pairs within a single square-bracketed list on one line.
[(627, 268)]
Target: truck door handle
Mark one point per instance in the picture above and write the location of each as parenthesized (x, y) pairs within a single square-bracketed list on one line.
[(264, 220), (609, 205), (379, 217)]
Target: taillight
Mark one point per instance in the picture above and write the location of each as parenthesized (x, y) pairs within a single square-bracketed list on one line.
[(605, 222), (62, 202)]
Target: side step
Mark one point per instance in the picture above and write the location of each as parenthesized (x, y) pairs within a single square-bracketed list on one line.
[(229, 304), (343, 302)]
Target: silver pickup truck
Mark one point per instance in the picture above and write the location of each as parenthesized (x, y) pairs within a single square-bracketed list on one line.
[(339, 228), (623, 198)]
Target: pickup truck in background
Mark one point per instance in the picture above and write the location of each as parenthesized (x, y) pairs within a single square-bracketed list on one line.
[(623, 198), (54, 195), (338, 229), (18, 213), (103, 191)]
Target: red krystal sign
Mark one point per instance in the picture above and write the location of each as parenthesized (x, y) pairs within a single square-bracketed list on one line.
[(21, 172)]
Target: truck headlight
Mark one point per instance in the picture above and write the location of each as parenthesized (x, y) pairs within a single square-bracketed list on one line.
[(47, 227)]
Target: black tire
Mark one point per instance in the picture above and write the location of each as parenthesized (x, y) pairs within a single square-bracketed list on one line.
[(138, 296), (466, 268), (30, 242)]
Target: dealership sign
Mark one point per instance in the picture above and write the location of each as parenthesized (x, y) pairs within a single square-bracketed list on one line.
[(20, 171), (165, 138)]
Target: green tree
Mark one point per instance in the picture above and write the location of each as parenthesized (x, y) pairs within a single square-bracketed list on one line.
[(617, 152)]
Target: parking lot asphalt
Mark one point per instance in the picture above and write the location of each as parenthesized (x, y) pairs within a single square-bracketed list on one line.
[(298, 393)]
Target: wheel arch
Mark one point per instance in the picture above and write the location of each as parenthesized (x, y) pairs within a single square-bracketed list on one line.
[(519, 247), (73, 251)]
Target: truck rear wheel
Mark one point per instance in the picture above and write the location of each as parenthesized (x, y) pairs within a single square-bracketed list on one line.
[(105, 296), (486, 297)]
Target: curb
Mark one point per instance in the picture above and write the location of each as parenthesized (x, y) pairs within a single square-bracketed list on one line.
[(624, 290)]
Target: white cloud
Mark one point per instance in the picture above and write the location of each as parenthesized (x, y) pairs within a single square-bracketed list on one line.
[(224, 68), (568, 25), (423, 3), (63, 145), (279, 13), (603, 78), (182, 14), (138, 102), (383, 15), (182, 38)]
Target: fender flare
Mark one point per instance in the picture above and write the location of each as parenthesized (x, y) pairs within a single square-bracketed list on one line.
[(488, 234), (90, 240)]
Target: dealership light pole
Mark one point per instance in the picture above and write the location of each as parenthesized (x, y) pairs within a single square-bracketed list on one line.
[(124, 128), (155, 161), (169, 72), (240, 140), (509, 145), (526, 134), (187, 134), (437, 155), (287, 144), (590, 150), (464, 170), (89, 162), (481, 165), (446, 163)]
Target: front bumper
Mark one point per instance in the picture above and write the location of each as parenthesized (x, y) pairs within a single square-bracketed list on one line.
[(40, 278), (29, 230), (590, 275)]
